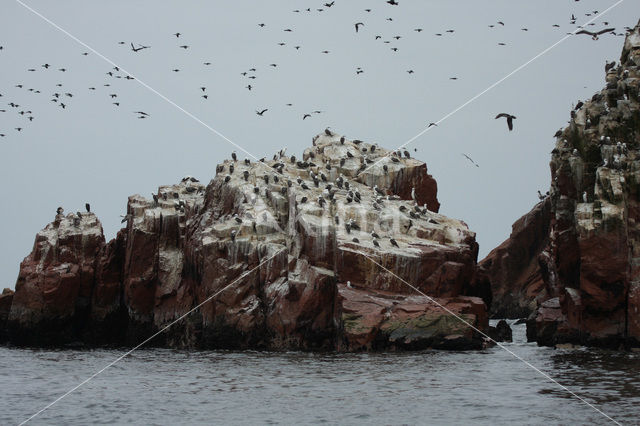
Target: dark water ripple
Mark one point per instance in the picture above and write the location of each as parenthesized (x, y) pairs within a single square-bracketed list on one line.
[(159, 387)]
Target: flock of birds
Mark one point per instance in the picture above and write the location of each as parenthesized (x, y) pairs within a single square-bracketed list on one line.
[(315, 172), (62, 97)]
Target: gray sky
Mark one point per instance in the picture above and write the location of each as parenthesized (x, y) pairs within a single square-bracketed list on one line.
[(94, 151)]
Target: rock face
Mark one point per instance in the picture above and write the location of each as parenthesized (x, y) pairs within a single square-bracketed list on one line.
[(280, 254), (512, 270), (6, 298), (586, 248)]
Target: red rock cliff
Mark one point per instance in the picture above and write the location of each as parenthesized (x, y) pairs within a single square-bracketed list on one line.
[(296, 237), (578, 263)]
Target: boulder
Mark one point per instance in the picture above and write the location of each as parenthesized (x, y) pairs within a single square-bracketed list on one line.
[(501, 332)]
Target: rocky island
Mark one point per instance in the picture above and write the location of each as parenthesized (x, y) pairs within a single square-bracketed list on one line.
[(313, 248)]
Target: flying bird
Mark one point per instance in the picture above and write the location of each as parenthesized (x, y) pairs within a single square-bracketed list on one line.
[(509, 118), (136, 49), (595, 35), (392, 2), (358, 25), (305, 116), (470, 159), (262, 112)]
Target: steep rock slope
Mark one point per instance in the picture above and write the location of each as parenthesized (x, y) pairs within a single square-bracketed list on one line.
[(574, 260)]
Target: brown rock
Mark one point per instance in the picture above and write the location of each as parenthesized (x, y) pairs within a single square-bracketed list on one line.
[(590, 263), (512, 269), (254, 263), (5, 306), (53, 290)]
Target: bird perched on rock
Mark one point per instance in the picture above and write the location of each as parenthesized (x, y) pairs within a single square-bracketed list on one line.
[(375, 243), (234, 156), (245, 174), (233, 234), (374, 235), (349, 284), (509, 118), (87, 207), (227, 178), (393, 242), (59, 210)]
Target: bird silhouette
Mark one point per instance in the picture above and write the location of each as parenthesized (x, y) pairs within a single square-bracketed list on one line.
[(595, 35), (470, 159), (137, 49), (262, 112), (509, 118), (358, 25)]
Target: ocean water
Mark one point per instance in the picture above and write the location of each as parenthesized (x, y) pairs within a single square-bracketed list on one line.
[(167, 387)]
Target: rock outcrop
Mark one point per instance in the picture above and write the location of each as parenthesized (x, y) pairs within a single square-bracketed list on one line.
[(512, 270), (589, 259), (316, 253)]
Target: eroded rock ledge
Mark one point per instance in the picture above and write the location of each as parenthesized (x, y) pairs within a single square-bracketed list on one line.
[(573, 262), (294, 233)]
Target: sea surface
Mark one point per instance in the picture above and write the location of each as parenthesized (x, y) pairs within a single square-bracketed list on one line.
[(168, 387)]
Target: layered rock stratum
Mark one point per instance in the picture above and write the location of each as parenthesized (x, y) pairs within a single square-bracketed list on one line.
[(573, 262), (271, 254)]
